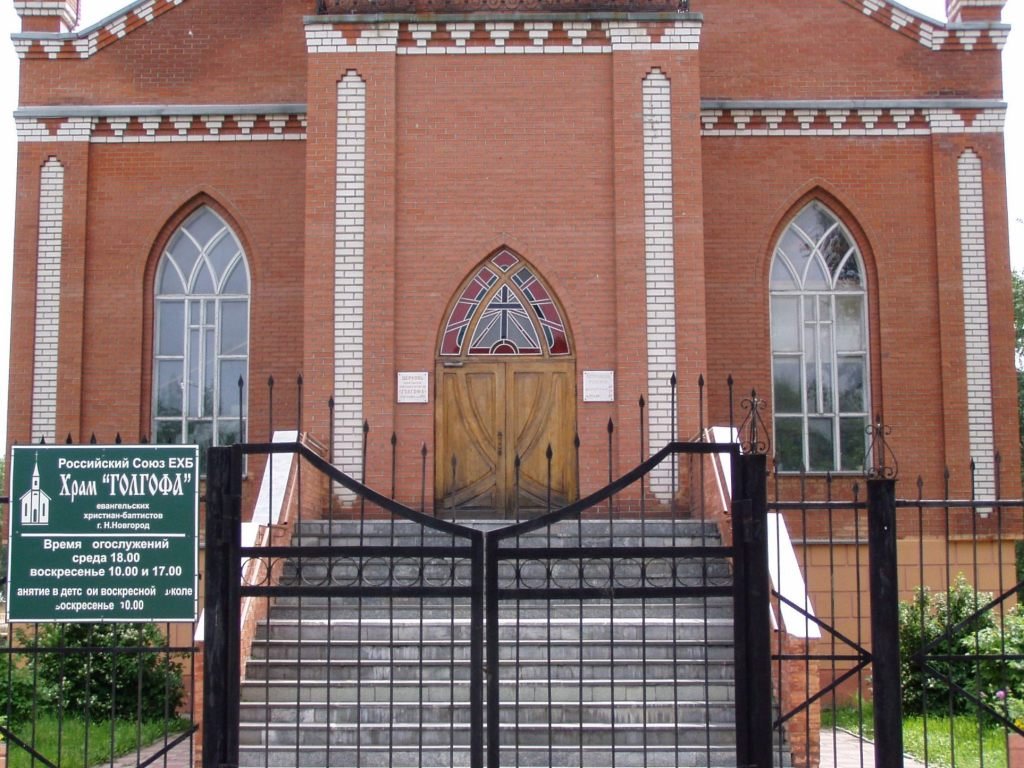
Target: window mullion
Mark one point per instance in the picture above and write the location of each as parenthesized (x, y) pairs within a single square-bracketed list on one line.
[(802, 341), (215, 358), (837, 447)]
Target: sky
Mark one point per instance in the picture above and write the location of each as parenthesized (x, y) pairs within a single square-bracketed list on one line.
[(96, 10)]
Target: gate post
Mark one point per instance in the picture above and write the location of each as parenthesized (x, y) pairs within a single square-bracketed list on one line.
[(751, 597), (221, 663), (885, 631)]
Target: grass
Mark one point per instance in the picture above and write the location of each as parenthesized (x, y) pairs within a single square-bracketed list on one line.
[(72, 738), (970, 744)]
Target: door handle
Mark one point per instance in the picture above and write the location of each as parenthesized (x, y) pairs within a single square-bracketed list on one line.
[(501, 443)]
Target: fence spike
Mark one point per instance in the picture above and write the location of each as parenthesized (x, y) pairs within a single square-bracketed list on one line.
[(732, 418), (423, 478), (68, 440), (92, 439)]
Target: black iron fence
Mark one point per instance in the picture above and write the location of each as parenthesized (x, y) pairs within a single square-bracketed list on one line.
[(899, 632), (96, 694), (863, 620), (591, 639), (92, 694)]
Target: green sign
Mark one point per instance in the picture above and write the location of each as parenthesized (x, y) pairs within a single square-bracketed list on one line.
[(103, 533)]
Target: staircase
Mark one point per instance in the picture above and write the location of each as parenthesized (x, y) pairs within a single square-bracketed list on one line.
[(385, 682)]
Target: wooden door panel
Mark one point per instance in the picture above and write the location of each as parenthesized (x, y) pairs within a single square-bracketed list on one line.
[(489, 412), (469, 421), (541, 405)]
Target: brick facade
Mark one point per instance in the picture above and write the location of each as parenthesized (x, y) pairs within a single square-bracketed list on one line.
[(645, 163)]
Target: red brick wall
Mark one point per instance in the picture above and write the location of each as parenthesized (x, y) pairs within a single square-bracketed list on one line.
[(807, 49), (543, 153), (882, 189), (223, 52)]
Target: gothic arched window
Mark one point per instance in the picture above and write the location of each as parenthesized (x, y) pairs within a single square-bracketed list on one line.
[(505, 309), (819, 345), (201, 336)]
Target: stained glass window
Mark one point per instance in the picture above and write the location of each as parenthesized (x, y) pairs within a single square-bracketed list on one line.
[(518, 315), (819, 345), (201, 335)]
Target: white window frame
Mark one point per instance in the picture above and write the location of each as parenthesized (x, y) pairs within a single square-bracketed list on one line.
[(193, 408), (830, 363)]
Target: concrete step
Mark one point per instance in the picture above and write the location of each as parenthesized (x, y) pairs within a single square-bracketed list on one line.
[(414, 608), (561, 734), (458, 630), (527, 757), (532, 573), (525, 652), (557, 669), (410, 714), (593, 528), (312, 692), (385, 681)]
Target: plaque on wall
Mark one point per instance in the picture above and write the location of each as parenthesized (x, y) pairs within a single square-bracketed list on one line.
[(413, 387), (598, 386)]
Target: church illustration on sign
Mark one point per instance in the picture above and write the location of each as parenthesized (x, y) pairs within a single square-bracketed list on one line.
[(35, 502)]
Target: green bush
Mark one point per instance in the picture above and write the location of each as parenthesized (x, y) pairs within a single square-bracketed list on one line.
[(17, 700), (1004, 638), (929, 617), (117, 680)]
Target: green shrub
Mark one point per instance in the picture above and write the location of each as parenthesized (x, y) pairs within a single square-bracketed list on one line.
[(929, 617), (1004, 639), (16, 701), (116, 680)]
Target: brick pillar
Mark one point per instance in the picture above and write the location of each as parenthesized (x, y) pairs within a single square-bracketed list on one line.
[(799, 681), (47, 15), (959, 11)]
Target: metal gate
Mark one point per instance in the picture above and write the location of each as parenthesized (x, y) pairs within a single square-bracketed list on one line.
[(613, 631)]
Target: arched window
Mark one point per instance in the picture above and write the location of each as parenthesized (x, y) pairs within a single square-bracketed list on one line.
[(201, 338), (819, 345), (518, 315)]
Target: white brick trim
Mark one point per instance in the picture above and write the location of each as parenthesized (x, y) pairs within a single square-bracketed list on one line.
[(496, 36), (828, 120), (659, 257), (138, 127), (47, 320), (934, 34), (976, 329), (66, 10), (349, 219), (89, 41)]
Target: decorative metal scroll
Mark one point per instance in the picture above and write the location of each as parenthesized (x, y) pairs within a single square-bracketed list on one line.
[(753, 432), (880, 461)]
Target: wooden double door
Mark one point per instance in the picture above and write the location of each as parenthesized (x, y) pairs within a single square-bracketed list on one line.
[(491, 412)]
